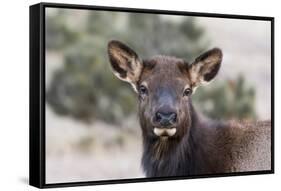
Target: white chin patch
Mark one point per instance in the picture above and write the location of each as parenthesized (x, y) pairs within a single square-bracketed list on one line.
[(164, 132)]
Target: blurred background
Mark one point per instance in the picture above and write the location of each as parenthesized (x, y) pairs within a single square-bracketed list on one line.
[(92, 130)]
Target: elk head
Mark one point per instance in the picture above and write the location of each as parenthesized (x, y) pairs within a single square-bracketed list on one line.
[(164, 85)]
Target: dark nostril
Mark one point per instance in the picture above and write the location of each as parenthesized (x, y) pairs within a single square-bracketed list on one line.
[(166, 119), (173, 117), (158, 116)]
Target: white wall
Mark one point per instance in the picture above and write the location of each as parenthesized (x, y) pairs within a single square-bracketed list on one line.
[(14, 40)]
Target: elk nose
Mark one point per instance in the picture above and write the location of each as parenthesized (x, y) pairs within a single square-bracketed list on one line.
[(166, 119)]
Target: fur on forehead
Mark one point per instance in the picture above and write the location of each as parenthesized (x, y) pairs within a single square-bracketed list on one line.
[(165, 70), (165, 64)]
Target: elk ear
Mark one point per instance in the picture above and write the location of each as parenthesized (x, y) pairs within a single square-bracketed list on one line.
[(125, 62), (205, 67)]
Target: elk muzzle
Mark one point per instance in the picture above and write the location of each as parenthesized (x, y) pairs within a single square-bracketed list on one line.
[(165, 119), (164, 124)]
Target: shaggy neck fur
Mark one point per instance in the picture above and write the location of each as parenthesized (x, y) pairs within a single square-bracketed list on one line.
[(174, 156)]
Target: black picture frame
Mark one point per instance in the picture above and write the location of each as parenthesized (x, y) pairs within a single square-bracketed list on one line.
[(37, 93)]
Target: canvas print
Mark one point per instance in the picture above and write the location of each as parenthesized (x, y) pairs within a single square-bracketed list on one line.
[(136, 95)]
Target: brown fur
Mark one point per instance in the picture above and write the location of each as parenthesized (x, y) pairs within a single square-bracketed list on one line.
[(199, 146)]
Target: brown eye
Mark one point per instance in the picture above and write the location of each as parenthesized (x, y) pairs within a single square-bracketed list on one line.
[(187, 92), (143, 90)]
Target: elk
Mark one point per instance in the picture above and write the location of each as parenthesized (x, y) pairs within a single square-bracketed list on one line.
[(177, 140)]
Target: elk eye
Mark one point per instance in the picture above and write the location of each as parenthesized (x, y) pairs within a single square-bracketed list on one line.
[(142, 90), (187, 92)]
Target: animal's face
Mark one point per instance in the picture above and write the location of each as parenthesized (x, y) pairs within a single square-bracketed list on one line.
[(164, 86)]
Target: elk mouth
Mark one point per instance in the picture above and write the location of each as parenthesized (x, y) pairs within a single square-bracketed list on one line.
[(164, 132)]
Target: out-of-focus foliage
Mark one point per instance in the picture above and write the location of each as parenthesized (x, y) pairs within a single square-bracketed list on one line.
[(58, 33), (228, 100), (85, 87)]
